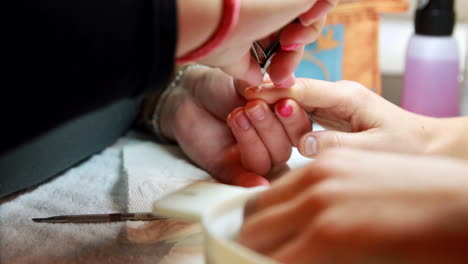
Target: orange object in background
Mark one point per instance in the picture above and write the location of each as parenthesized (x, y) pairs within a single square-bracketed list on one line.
[(348, 47)]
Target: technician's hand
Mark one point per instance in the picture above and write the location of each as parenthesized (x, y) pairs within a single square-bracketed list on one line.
[(362, 207), (356, 117), (195, 115), (259, 20)]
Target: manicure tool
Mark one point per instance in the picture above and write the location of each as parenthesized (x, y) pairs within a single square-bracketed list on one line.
[(98, 218), (264, 56), (219, 208)]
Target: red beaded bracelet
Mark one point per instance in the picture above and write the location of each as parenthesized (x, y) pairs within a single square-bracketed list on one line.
[(229, 18)]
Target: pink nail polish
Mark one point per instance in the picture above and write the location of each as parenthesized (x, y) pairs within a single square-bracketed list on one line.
[(291, 47), (242, 121), (284, 109)]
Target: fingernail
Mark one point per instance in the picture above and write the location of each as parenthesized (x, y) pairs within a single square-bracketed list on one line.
[(251, 91), (284, 109), (291, 47), (249, 180), (290, 81), (242, 121), (257, 113), (310, 146)]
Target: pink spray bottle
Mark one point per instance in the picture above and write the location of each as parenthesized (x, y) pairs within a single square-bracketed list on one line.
[(431, 81)]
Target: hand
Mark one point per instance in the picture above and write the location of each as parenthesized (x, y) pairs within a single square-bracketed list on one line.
[(265, 135), (194, 115), (355, 116), (362, 207), (258, 20)]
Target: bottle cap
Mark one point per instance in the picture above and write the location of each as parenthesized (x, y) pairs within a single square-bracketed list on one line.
[(435, 17)]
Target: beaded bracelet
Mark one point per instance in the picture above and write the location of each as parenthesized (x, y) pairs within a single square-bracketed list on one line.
[(156, 117)]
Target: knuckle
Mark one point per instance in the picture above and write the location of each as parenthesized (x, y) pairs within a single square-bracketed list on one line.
[(324, 194), (338, 141), (353, 88)]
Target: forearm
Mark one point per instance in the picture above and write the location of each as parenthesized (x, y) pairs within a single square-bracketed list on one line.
[(197, 21), (450, 137)]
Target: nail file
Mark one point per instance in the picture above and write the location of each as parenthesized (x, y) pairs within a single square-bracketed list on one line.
[(193, 201)]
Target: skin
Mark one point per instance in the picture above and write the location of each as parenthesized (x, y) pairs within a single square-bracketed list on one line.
[(356, 118), (349, 207), (191, 117), (355, 206), (197, 21)]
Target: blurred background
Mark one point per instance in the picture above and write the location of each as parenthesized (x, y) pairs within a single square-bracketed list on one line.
[(395, 31)]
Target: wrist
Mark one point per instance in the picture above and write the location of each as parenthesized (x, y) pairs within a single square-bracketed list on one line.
[(174, 97), (449, 137), (197, 20), (168, 109)]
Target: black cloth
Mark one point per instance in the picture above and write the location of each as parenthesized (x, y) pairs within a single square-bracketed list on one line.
[(64, 58)]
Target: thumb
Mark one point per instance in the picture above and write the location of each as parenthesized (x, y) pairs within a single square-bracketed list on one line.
[(314, 143)]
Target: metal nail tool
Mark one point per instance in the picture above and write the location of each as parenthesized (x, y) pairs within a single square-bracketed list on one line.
[(264, 56), (98, 218)]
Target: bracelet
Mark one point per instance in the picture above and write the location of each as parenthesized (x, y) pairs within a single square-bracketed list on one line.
[(156, 117), (229, 19)]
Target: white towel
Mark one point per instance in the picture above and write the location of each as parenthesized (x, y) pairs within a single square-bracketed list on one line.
[(105, 184)]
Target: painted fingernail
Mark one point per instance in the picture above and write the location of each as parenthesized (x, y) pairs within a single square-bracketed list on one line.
[(249, 180), (290, 81), (310, 146), (242, 121), (284, 109), (291, 47), (257, 113)]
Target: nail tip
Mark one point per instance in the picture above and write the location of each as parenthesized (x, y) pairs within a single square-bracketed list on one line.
[(291, 47)]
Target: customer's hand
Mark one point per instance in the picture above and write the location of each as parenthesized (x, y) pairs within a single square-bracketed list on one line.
[(259, 20), (362, 207), (355, 116), (195, 115)]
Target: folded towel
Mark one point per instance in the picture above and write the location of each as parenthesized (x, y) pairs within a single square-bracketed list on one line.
[(106, 183)]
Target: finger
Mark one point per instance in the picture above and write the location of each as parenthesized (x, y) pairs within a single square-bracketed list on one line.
[(270, 131), (318, 11), (287, 219), (283, 65), (235, 174), (246, 69), (296, 35), (314, 143), (302, 249), (254, 154), (286, 188), (311, 94), (294, 120)]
